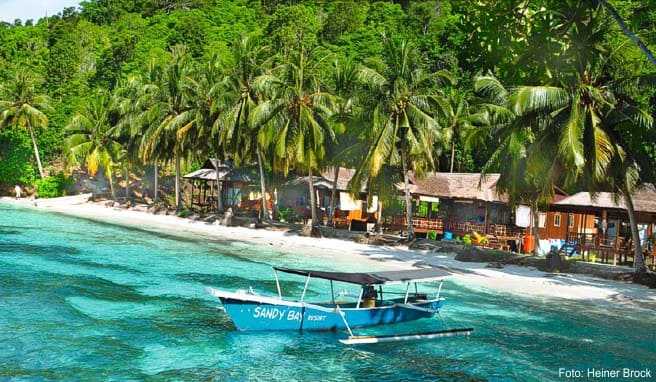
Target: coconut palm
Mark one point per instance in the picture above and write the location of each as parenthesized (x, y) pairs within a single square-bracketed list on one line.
[(513, 157), (455, 119), (93, 139), (168, 113), (403, 130), (240, 138), (347, 123), (572, 130), (295, 117), (22, 106)]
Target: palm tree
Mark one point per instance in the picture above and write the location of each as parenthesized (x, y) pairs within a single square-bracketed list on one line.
[(403, 130), (203, 90), (574, 132), (347, 123), (295, 117), (22, 106), (93, 137), (169, 112), (524, 167), (239, 137), (130, 128), (455, 118)]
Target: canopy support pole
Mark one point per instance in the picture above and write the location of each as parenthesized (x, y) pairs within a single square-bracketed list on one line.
[(341, 314), (359, 298), (275, 274), (332, 291), (439, 289), (307, 281), (407, 291)]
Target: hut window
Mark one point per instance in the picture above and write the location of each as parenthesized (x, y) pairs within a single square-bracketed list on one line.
[(557, 220), (542, 219), (571, 221)]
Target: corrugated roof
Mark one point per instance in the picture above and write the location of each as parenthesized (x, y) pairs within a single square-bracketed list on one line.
[(457, 186)]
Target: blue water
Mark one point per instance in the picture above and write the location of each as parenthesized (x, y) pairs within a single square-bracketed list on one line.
[(87, 301)]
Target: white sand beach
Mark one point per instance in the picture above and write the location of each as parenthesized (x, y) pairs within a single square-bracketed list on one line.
[(523, 281)]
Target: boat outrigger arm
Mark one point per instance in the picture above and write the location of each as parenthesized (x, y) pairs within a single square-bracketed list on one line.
[(250, 311)]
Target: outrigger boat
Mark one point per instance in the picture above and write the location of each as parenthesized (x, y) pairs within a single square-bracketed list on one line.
[(251, 311)]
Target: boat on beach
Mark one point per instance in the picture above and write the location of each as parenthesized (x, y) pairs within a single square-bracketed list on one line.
[(374, 306)]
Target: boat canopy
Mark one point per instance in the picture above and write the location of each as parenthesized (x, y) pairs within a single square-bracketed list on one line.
[(374, 278)]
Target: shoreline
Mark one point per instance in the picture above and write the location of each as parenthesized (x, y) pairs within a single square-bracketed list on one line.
[(512, 279)]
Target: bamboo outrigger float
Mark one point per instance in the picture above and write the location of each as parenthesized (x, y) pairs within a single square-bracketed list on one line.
[(250, 311)]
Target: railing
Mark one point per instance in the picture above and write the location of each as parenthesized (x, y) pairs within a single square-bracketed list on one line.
[(438, 225)]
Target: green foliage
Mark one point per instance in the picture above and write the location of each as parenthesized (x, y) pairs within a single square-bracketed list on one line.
[(53, 186), (288, 215), (294, 26), (16, 158)]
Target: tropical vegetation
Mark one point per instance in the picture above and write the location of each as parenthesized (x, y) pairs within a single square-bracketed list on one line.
[(550, 93)]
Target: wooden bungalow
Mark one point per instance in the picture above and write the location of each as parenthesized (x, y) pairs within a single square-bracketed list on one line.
[(460, 203), (235, 186), (351, 212), (609, 234)]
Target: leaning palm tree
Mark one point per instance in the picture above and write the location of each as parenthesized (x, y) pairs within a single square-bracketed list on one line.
[(238, 136), (22, 106), (295, 117), (169, 112), (403, 130), (93, 139), (574, 130)]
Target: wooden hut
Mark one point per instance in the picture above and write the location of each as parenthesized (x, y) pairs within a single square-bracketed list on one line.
[(353, 212), (461, 203), (233, 186)]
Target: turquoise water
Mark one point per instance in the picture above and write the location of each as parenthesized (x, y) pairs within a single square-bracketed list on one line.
[(87, 301)]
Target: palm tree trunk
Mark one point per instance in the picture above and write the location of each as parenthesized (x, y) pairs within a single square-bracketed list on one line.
[(264, 210), (127, 183), (638, 258), (408, 200), (36, 151), (156, 184), (313, 199), (178, 200), (219, 199), (536, 229), (110, 176), (453, 153), (625, 29), (333, 197)]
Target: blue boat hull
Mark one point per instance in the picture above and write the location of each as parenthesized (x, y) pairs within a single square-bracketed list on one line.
[(258, 315)]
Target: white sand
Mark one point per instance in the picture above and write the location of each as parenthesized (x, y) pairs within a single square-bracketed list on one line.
[(523, 281)]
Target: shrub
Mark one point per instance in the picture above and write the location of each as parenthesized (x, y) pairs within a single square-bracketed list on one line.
[(16, 158), (287, 215), (53, 186)]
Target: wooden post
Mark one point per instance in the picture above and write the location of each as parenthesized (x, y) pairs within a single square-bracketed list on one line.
[(191, 203), (485, 218)]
